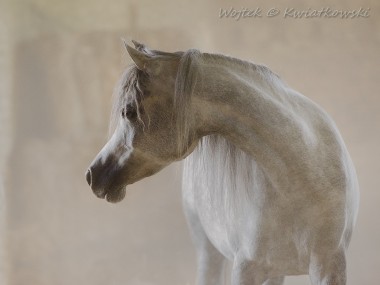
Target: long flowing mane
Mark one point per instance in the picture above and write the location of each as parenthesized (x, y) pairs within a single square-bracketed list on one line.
[(217, 163), (128, 89)]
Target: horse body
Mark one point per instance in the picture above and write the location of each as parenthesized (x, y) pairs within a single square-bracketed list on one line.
[(268, 182)]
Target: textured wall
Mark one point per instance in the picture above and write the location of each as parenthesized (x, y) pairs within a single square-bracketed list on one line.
[(59, 61)]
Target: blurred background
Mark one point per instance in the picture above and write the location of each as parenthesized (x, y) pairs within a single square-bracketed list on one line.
[(59, 61)]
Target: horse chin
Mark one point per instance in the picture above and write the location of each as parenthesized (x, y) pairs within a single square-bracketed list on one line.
[(116, 195)]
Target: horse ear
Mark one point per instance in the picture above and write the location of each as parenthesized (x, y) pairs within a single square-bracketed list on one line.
[(143, 61), (139, 58), (138, 46), (143, 48)]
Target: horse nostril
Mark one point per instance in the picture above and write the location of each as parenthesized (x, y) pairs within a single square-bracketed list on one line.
[(88, 177)]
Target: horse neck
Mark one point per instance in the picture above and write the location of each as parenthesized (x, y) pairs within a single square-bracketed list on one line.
[(250, 107)]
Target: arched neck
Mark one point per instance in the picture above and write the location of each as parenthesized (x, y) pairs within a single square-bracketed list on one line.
[(251, 107)]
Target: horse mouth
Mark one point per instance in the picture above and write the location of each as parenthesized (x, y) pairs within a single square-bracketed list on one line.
[(112, 195)]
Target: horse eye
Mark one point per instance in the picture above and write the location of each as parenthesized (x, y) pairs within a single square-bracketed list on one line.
[(129, 113)]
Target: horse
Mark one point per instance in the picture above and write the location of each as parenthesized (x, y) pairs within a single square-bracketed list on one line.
[(268, 183)]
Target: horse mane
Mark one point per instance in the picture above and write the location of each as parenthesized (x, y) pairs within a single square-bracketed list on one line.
[(185, 83), (217, 163), (130, 88)]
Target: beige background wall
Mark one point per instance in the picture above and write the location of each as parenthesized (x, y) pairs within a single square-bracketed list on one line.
[(59, 61)]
